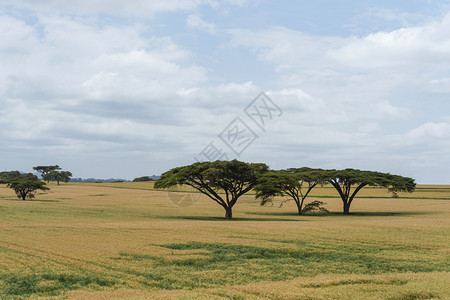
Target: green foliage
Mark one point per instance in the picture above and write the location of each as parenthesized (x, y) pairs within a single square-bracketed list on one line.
[(344, 180), (143, 178), (58, 176), (48, 284), (296, 183), (212, 264), (26, 185), (8, 176), (235, 178), (46, 169), (416, 296), (315, 207)]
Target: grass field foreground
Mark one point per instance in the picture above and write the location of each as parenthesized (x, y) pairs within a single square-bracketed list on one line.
[(125, 240)]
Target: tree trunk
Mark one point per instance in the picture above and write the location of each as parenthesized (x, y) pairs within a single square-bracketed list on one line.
[(57, 181), (299, 208), (228, 213), (346, 208), (23, 196)]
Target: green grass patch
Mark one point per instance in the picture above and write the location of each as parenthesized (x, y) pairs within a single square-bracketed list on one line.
[(357, 281), (414, 296), (48, 284), (214, 264)]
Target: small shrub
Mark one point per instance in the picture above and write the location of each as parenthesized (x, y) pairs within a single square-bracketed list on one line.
[(315, 207)]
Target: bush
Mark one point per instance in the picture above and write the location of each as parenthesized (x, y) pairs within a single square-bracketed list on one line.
[(315, 207)]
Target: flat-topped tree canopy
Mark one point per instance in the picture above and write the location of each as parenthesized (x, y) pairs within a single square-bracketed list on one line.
[(234, 178), (26, 185), (344, 180), (294, 182), (9, 176), (58, 176), (44, 170)]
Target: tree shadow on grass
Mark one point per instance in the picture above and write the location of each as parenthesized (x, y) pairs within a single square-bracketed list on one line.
[(340, 214), (276, 216), (31, 200), (235, 219), (267, 213), (40, 200), (382, 213)]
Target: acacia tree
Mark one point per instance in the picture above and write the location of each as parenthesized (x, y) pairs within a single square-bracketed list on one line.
[(44, 170), (294, 182), (344, 180), (222, 181), (8, 176), (58, 176), (26, 185)]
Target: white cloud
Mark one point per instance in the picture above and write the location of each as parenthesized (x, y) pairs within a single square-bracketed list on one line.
[(371, 127), (119, 7), (287, 49), (355, 91), (405, 47), (410, 46), (439, 86), (374, 19), (232, 95), (429, 131), (101, 61), (74, 84), (357, 76), (195, 21), (139, 74)]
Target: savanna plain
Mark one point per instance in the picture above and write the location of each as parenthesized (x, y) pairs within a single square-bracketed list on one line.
[(129, 241)]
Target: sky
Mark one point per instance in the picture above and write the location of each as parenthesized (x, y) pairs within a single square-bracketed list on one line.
[(122, 89)]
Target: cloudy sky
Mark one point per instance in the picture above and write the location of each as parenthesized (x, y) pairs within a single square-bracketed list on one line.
[(131, 88)]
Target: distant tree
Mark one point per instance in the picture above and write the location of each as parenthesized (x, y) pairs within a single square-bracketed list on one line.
[(8, 176), (58, 176), (143, 178), (44, 170), (296, 183), (344, 180), (26, 186), (233, 178), (65, 176)]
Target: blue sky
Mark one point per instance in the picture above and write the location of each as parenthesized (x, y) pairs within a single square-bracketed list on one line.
[(111, 90)]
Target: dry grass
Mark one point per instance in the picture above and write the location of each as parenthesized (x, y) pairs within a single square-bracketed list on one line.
[(125, 240)]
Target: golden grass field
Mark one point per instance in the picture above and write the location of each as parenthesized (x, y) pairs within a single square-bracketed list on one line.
[(125, 240)]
